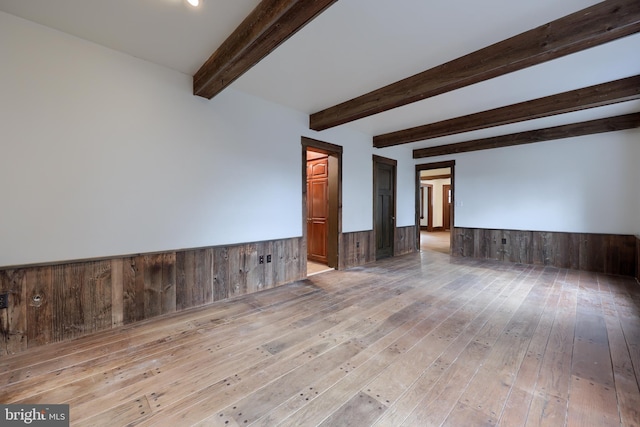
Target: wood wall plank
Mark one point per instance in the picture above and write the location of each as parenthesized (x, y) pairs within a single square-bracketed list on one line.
[(254, 271), (117, 292), (13, 320), (221, 273), (68, 315), (133, 286), (638, 258), (237, 277), (267, 249), (168, 282), (39, 306), (152, 279), (181, 280), (603, 253), (202, 292)]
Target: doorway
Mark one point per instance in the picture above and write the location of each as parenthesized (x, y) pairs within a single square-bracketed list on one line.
[(435, 206), (321, 204), (384, 206)]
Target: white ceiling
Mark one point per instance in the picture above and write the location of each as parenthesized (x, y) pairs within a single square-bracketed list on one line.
[(353, 47)]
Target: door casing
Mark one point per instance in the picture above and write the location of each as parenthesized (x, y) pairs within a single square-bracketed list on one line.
[(438, 165)]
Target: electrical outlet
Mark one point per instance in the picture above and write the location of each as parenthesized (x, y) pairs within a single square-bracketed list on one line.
[(4, 301), (261, 259), (269, 258)]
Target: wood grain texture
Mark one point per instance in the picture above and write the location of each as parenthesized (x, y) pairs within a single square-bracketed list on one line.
[(356, 248), (584, 29), (270, 24), (605, 253), (609, 124), (638, 258), (66, 301), (405, 240), (622, 90), (13, 320), (422, 339)]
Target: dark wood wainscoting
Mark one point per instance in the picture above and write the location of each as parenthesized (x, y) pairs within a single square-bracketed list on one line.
[(52, 303), (359, 247), (356, 248), (638, 258), (405, 240), (603, 253)]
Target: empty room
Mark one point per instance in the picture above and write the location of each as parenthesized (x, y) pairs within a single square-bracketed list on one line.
[(320, 213)]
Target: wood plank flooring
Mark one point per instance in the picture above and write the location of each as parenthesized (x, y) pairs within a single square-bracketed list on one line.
[(418, 340)]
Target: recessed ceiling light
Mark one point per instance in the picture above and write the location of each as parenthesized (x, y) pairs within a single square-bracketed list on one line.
[(194, 3)]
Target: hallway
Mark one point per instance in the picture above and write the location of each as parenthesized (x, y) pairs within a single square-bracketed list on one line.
[(439, 241)]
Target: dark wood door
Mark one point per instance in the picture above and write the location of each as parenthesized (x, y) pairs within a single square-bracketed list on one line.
[(317, 209), (446, 206), (384, 208)]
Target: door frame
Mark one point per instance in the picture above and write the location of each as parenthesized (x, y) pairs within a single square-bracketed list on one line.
[(394, 164), (429, 202), (334, 218), (447, 199), (429, 166)]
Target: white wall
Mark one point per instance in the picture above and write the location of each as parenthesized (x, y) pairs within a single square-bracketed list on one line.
[(406, 182), (585, 184), (104, 154)]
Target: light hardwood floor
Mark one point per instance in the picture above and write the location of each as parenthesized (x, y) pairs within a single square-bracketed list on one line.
[(439, 241), (418, 340)]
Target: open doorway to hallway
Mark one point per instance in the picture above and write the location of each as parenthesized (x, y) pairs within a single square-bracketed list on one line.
[(434, 210), (321, 204), (439, 241)]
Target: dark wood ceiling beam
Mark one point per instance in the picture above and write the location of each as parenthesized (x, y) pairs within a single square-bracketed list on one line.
[(609, 124), (580, 99), (601, 23), (270, 24)]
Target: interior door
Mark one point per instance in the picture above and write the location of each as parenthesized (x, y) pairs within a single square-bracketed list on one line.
[(446, 206), (384, 207), (317, 209)]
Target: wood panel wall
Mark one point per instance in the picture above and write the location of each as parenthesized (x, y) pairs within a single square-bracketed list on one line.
[(405, 240), (638, 258), (359, 248), (52, 303), (604, 253), (356, 248)]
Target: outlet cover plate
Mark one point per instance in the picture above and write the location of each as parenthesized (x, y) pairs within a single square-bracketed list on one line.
[(4, 301)]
